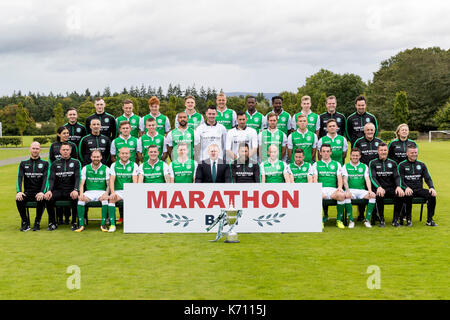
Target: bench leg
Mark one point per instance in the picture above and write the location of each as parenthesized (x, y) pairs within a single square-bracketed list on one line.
[(421, 211)]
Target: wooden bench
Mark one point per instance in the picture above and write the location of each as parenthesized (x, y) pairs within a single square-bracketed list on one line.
[(387, 201)]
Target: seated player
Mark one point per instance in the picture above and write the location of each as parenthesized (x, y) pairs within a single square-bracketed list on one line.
[(182, 168), (243, 169), (274, 170), (329, 173), (357, 186), (96, 177), (154, 170), (122, 171), (300, 170), (33, 172), (412, 173)]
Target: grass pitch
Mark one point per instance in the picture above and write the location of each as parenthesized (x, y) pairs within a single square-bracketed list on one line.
[(413, 261)]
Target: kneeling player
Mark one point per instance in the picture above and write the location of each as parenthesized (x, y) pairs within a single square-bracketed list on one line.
[(122, 171), (96, 176), (358, 186), (329, 173)]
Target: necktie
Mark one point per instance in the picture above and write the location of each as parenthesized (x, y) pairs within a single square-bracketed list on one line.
[(214, 172)]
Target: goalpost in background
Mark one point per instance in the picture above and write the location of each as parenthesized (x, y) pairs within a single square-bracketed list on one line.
[(439, 134)]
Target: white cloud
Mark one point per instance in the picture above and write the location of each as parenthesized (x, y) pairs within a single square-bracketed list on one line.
[(234, 45)]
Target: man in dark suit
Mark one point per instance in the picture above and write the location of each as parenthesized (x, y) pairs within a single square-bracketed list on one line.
[(213, 170)]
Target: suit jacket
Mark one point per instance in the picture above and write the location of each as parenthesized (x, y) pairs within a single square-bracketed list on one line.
[(204, 175)]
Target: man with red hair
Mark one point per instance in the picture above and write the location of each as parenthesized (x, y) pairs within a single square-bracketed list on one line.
[(162, 121)]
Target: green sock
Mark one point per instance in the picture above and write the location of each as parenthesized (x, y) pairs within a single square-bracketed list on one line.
[(104, 214), (112, 215), (370, 207), (340, 211), (80, 210), (349, 208)]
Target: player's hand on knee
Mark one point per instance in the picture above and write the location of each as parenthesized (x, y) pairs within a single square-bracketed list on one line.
[(39, 196), (20, 196), (48, 195), (399, 192), (372, 195), (348, 195), (380, 192), (104, 197), (433, 192), (408, 191), (74, 194)]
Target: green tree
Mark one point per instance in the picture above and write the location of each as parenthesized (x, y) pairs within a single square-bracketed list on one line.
[(58, 113), (321, 105), (424, 74), (22, 119), (85, 110), (442, 117), (401, 110)]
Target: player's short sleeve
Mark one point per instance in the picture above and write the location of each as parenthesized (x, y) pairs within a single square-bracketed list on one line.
[(166, 169), (316, 141), (195, 167), (319, 143), (172, 175), (261, 169), (260, 139), (176, 124), (289, 142), (289, 123), (284, 143), (265, 125), (108, 173), (135, 169), (197, 135), (234, 118), (142, 124), (168, 139), (112, 170), (287, 168), (366, 171), (313, 169), (310, 173), (141, 169), (339, 170), (167, 129), (344, 171), (83, 173), (318, 123), (345, 146), (138, 146), (254, 138), (113, 148), (229, 139)]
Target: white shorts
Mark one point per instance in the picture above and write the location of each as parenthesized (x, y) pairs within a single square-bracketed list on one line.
[(120, 193), (328, 191), (94, 195), (358, 193)]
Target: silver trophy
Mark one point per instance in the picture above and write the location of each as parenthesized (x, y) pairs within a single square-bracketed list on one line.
[(228, 217)]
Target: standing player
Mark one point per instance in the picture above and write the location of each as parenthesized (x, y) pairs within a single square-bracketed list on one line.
[(337, 142), (357, 120), (303, 139), (128, 115), (332, 114), (162, 122), (182, 134), (33, 172), (284, 119), (194, 118), (357, 186), (63, 184), (225, 116), (300, 170), (96, 177), (397, 147), (154, 170), (76, 130), (255, 119), (274, 170), (108, 126), (243, 169), (208, 133), (122, 171), (183, 168), (152, 137), (239, 135), (62, 135), (386, 180), (329, 172), (126, 140), (271, 135), (311, 117), (95, 141), (412, 173)]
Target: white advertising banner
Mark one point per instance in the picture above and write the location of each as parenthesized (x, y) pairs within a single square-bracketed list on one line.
[(191, 208)]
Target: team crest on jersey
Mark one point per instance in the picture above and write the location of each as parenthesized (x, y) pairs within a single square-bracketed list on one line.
[(389, 165), (188, 135), (159, 121), (157, 140), (227, 116), (71, 165), (158, 169), (418, 167), (283, 119), (338, 141), (360, 170), (308, 138), (303, 169), (338, 120), (100, 172), (311, 119), (376, 144), (250, 165), (133, 121), (40, 165), (103, 141), (367, 119), (332, 167), (78, 130), (129, 169), (131, 143), (188, 166), (106, 120)]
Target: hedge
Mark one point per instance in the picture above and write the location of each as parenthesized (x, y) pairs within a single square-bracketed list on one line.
[(16, 141), (387, 136)]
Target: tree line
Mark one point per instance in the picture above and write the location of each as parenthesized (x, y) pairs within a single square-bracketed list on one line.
[(411, 87)]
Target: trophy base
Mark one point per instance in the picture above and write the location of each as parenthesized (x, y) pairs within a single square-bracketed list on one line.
[(231, 241), (232, 238)]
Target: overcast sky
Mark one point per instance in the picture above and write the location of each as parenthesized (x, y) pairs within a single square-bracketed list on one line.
[(258, 46)]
